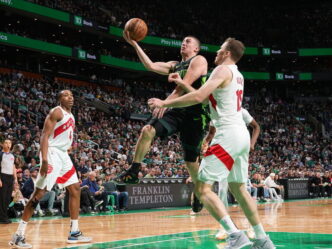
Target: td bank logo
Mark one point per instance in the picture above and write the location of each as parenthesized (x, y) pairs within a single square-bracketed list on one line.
[(78, 20), (8, 2), (3, 37)]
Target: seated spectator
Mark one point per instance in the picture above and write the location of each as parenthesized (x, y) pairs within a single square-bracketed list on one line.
[(95, 191), (316, 185), (262, 190), (327, 184), (121, 198), (275, 190), (151, 174), (251, 189), (29, 187), (20, 180)]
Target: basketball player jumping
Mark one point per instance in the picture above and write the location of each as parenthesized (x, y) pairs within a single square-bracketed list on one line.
[(56, 167), (188, 121), (227, 157)]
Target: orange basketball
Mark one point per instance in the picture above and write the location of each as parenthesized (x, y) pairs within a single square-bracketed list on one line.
[(137, 29)]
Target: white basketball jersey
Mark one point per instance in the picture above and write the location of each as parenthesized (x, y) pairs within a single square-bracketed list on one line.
[(63, 133), (225, 103), (247, 118)]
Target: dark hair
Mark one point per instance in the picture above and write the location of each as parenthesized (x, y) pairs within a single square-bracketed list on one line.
[(60, 94), (236, 48), (197, 40)]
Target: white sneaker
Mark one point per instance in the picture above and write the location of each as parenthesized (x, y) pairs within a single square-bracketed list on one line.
[(18, 241), (77, 237)]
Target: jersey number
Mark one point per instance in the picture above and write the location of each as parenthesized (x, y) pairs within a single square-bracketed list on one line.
[(239, 94)]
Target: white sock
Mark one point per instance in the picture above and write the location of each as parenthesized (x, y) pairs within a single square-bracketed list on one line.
[(228, 224), (74, 225), (259, 231), (21, 228)]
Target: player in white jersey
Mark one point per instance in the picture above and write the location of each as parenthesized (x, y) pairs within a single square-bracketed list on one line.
[(223, 185), (56, 167), (227, 157)]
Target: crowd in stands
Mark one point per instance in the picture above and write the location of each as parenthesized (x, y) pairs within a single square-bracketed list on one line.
[(288, 147), (275, 25)]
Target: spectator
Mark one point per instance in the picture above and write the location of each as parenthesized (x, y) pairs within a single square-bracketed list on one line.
[(121, 198), (327, 184), (275, 190), (95, 191)]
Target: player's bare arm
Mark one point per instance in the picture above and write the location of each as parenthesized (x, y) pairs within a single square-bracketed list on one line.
[(157, 67), (52, 118), (220, 77), (208, 138), (255, 133)]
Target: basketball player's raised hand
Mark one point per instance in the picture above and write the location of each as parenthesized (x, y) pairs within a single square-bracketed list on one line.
[(155, 103), (126, 36)]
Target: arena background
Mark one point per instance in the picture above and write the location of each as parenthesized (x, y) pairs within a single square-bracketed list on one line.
[(47, 46)]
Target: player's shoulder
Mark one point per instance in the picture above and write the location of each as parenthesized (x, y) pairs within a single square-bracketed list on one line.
[(199, 58), (223, 70), (56, 112)]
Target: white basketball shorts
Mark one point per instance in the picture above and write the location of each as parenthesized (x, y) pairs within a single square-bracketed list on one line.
[(227, 157), (60, 170)]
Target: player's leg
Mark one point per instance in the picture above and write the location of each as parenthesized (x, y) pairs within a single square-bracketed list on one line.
[(144, 143), (223, 195), (68, 179), (211, 170), (18, 239), (163, 127), (237, 184), (42, 184), (192, 133), (141, 149)]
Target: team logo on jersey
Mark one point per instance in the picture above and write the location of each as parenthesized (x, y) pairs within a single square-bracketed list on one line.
[(62, 128), (49, 169)]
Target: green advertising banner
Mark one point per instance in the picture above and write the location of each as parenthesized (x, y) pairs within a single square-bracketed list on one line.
[(315, 51), (37, 9), (159, 41), (35, 44), (305, 76), (28, 43), (256, 75), (109, 60)]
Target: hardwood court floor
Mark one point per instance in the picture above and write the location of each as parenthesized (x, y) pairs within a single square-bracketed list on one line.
[(295, 224)]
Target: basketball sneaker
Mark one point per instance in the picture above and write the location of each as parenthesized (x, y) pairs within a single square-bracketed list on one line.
[(77, 237), (237, 240), (18, 241), (221, 235), (196, 205), (265, 243)]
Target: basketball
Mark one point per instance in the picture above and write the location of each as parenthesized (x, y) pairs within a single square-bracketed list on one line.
[(137, 29)]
